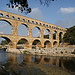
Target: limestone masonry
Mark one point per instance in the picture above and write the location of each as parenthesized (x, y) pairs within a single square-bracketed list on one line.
[(15, 20)]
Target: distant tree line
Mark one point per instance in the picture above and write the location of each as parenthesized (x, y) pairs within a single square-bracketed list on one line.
[(69, 37)]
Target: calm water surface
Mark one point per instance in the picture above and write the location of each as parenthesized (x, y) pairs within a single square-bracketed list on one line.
[(13, 64)]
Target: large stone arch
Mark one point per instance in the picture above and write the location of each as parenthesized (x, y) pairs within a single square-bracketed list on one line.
[(9, 25), (39, 29), (24, 44), (55, 43), (47, 44), (36, 44), (10, 43), (6, 21), (48, 36), (27, 27)]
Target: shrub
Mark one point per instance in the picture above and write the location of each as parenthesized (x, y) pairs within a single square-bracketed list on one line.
[(24, 52)]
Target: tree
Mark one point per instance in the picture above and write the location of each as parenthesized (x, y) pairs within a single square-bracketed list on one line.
[(23, 4), (69, 37), (4, 42)]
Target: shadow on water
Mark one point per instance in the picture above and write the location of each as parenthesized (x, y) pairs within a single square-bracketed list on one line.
[(13, 64)]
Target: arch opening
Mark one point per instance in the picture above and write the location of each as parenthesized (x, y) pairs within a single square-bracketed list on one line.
[(5, 27), (60, 37), (54, 35), (47, 33), (5, 42), (55, 43), (47, 44), (36, 44), (22, 44), (36, 32), (22, 30)]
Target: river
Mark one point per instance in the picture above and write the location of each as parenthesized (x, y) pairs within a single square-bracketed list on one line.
[(19, 64)]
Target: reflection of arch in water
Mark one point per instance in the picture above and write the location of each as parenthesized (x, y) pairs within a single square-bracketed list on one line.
[(37, 59), (36, 44), (47, 60)]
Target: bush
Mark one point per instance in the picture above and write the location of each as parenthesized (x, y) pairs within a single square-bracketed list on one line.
[(24, 52)]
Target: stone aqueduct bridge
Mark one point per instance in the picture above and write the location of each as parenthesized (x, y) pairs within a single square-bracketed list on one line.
[(15, 20)]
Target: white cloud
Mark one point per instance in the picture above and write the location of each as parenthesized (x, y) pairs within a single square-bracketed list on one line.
[(36, 14), (67, 10), (1, 32)]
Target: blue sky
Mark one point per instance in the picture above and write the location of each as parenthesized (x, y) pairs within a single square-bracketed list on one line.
[(59, 12)]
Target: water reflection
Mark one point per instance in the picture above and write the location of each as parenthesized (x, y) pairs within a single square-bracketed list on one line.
[(34, 64)]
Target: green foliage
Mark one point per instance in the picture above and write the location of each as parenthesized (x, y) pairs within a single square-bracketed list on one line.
[(4, 42), (0, 46), (23, 6), (46, 36), (20, 42), (54, 36), (69, 37), (24, 52)]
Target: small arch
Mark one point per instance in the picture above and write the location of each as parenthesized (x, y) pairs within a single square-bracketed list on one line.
[(12, 17), (43, 25), (40, 24), (18, 19), (36, 44), (36, 23), (7, 16), (32, 22), (46, 25), (47, 44), (23, 20), (1, 15), (49, 26), (55, 43), (23, 44), (28, 21)]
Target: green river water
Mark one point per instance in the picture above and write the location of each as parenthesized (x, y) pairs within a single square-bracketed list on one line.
[(19, 64)]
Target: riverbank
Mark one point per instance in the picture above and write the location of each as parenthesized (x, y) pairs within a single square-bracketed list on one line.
[(54, 51)]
